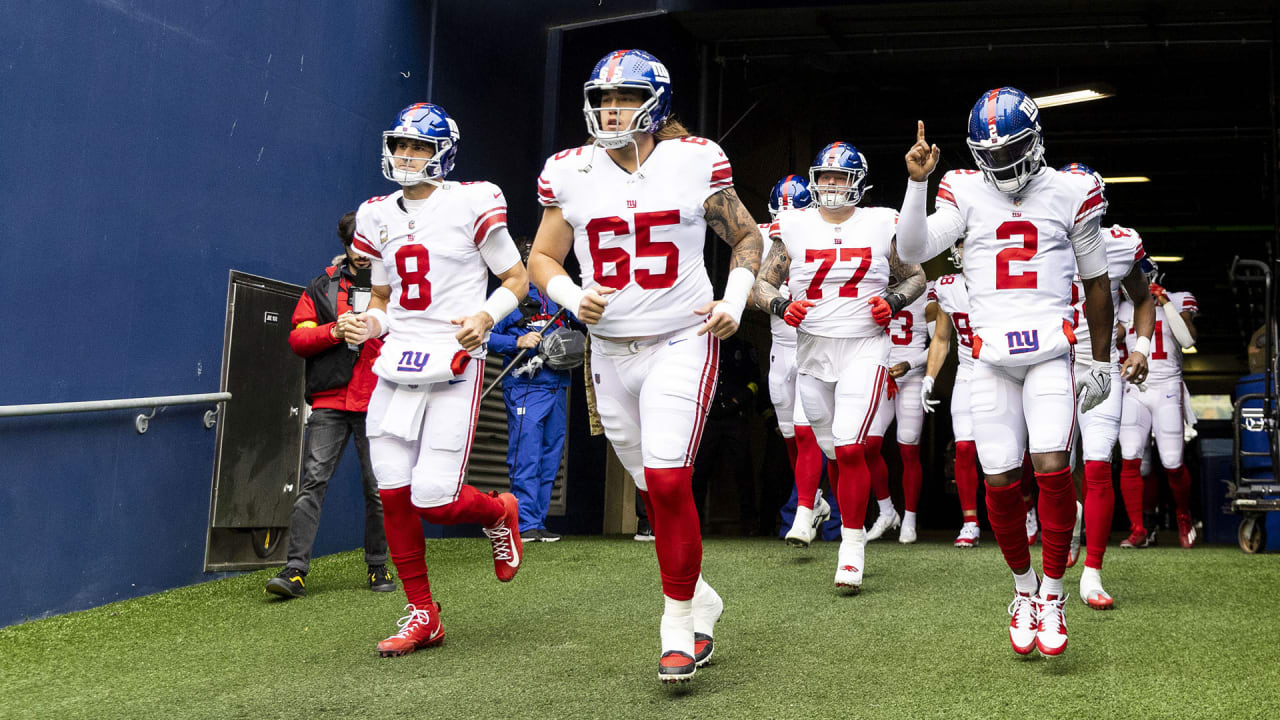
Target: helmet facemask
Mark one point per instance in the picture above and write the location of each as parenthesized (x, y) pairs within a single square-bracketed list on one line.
[(641, 119), (831, 196), (1011, 163), (431, 172)]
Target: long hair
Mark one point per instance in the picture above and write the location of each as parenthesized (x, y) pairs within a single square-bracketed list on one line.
[(671, 130)]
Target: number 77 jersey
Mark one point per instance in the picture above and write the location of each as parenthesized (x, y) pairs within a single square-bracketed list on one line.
[(838, 267), (1019, 259)]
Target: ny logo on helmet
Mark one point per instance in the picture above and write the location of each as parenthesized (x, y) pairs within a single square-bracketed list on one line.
[(411, 361), (660, 71)]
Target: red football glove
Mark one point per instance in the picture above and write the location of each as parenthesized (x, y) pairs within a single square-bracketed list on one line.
[(1157, 291), (796, 312), (880, 311), (892, 387)]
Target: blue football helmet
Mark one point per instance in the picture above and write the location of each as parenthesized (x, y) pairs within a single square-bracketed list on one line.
[(1082, 169), (1150, 270), (839, 157), (1005, 138), (634, 69), (428, 123), (791, 193)]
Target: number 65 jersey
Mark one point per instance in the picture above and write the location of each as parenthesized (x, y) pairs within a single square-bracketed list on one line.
[(1019, 259), (641, 234), (431, 257)]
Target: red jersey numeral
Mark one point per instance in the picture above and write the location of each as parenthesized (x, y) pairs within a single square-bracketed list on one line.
[(964, 331), (645, 247), (826, 259), (907, 320), (1075, 298), (1157, 347), (414, 278), (694, 140), (1006, 280), (946, 279)]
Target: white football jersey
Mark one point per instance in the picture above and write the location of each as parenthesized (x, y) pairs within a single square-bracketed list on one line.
[(952, 296), (432, 256), (838, 267), (782, 332), (908, 333), (1165, 362), (1019, 258), (641, 234), (1124, 248)]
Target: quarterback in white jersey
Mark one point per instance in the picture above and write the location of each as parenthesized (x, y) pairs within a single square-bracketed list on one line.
[(1100, 428), (837, 260), (433, 244), (1157, 406), (635, 217), (908, 334), (1029, 228)]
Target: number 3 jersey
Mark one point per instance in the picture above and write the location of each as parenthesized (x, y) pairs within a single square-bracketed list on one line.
[(839, 267), (643, 233), (1019, 258), (431, 257), (908, 333)]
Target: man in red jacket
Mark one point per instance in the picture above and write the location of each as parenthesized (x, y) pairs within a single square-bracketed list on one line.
[(340, 380)]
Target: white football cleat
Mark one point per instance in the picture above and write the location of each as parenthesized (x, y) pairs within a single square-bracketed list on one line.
[(1033, 527), (851, 558), (804, 530), (908, 533), (707, 607), (968, 536), (676, 664), (1073, 554), (1022, 623), (1091, 592), (882, 524), (1051, 621)]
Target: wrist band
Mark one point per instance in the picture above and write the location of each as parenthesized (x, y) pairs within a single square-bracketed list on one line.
[(778, 306), (500, 304), (384, 324), (565, 293), (1143, 346), (736, 290)]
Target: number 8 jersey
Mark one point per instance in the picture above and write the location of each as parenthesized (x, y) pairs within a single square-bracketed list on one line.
[(431, 257), (642, 234)]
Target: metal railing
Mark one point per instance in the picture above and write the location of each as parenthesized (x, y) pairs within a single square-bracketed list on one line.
[(140, 423)]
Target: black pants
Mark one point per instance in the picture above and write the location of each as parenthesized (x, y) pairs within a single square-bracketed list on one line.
[(327, 434)]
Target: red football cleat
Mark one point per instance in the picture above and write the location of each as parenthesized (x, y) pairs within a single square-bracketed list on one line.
[(505, 537), (418, 629), (1137, 539), (1186, 530)]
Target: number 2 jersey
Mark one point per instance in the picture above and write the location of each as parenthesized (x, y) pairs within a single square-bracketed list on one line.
[(431, 257), (1019, 258), (1124, 248), (1165, 362), (643, 233), (838, 267), (952, 296)]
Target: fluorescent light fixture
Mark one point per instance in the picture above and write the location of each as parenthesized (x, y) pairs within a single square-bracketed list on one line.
[(1190, 351), (1068, 96), (1119, 179), (1167, 258)]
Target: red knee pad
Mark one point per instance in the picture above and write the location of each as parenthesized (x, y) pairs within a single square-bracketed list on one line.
[(677, 534)]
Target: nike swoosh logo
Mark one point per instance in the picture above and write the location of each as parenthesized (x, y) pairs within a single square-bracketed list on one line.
[(515, 564), (497, 195), (673, 342), (1169, 396), (456, 381)]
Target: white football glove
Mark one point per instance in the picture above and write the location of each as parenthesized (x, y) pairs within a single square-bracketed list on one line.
[(1094, 387), (926, 392)]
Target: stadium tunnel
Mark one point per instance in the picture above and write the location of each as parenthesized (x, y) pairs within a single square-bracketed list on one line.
[(99, 514)]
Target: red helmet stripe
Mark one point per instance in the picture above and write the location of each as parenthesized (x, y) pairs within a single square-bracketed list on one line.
[(613, 64), (991, 112)]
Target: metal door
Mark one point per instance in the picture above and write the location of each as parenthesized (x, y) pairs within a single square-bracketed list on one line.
[(257, 464)]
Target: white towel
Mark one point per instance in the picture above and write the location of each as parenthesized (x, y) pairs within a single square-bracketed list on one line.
[(403, 415)]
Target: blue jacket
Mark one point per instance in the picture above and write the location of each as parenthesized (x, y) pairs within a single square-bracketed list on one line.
[(502, 339)]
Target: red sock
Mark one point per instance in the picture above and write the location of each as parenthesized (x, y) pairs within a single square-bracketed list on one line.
[(1180, 485), (1028, 482), (875, 465), (648, 508), (911, 475), (1099, 505), (1150, 492), (676, 532), (1131, 491), (472, 506), (855, 484), (790, 442), (1007, 514), (1057, 509), (967, 477), (808, 465), (833, 476), (407, 544)]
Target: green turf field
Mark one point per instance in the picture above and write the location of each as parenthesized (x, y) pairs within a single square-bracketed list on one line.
[(1194, 634)]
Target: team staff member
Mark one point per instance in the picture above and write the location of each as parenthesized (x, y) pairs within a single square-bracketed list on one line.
[(339, 381)]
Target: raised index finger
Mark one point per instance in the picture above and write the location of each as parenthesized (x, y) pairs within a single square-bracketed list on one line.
[(919, 131)]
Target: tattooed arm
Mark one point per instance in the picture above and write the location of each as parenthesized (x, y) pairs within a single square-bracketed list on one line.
[(731, 221), (910, 280), (773, 272)]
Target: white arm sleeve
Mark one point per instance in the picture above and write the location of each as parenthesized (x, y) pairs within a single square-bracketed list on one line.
[(918, 359), (1091, 254), (378, 273), (499, 251), (1178, 327), (922, 237)]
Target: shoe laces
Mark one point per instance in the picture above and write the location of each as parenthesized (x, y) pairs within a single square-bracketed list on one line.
[(409, 623), (1049, 612), (501, 539), (1023, 611)]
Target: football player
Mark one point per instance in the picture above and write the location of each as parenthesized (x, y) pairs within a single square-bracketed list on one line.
[(792, 193), (1028, 229), (433, 244), (634, 206), (838, 259), (1100, 428), (1158, 406)]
